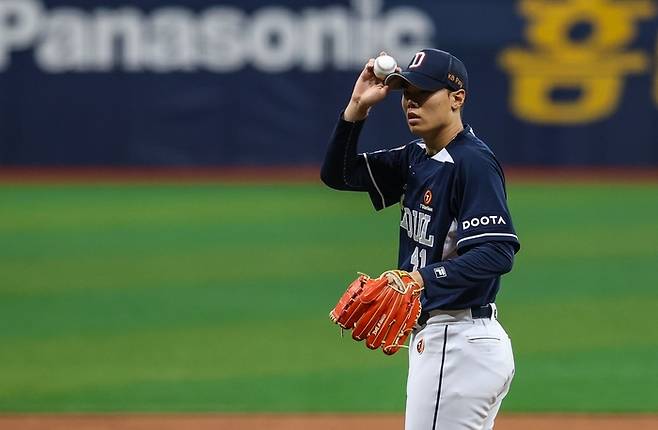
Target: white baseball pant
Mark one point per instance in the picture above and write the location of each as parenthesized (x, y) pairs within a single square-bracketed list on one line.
[(460, 369)]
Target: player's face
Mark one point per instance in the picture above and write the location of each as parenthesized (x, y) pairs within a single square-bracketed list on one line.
[(426, 111)]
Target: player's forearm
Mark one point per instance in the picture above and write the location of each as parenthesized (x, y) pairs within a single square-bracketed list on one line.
[(355, 111), (483, 262), (342, 168)]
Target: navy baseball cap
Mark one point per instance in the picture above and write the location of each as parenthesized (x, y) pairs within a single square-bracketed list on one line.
[(431, 70)]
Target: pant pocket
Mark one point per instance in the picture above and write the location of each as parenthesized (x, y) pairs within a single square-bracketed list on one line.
[(483, 339)]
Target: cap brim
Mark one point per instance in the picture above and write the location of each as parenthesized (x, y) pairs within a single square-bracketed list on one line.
[(395, 81)]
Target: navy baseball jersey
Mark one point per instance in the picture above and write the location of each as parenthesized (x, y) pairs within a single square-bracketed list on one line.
[(450, 202)]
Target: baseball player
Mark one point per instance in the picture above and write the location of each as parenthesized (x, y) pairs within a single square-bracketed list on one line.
[(456, 237)]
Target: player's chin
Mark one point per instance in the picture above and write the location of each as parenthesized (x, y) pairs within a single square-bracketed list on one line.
[(415, 127)]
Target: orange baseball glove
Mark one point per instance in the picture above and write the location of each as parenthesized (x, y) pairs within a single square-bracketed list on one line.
[(381, 311)]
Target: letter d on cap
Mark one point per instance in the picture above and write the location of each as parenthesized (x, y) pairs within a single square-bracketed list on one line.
[(417, 60), (19, 25)]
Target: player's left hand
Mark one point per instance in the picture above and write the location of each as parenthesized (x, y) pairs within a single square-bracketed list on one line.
[(381, 311)]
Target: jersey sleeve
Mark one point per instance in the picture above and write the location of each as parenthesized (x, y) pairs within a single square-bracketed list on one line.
[(478, 264), (387, 170), (381, 173), (480, 202)]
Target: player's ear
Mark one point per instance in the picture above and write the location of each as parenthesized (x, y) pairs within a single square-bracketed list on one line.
[(457, 99)]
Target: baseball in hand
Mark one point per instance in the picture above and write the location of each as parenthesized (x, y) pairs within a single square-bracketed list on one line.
[(384, 66)]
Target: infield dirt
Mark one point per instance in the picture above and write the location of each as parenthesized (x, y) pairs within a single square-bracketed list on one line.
[(307, 421)]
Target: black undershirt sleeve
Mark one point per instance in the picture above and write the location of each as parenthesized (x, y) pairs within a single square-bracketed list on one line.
[(343, 169)]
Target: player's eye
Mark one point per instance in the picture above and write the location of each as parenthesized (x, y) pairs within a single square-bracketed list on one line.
[(416, 95), (412, 93)]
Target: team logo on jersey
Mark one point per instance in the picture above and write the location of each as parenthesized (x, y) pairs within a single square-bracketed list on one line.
[(420, 346), (417, 60), (427, 197), (417, 224)]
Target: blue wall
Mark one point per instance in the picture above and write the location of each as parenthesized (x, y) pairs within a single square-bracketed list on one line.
[(194, 82)]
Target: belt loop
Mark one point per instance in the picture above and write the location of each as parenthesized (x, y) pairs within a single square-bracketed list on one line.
[(494, 311)]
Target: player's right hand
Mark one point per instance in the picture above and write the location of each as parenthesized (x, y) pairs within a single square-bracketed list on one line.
[(368, 91)]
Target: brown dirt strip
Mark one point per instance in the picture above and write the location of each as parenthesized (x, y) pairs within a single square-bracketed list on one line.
[(309, 421), (304, 174), (159, 175)]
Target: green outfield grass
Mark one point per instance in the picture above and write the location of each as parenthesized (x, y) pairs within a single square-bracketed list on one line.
[(215, 298)]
